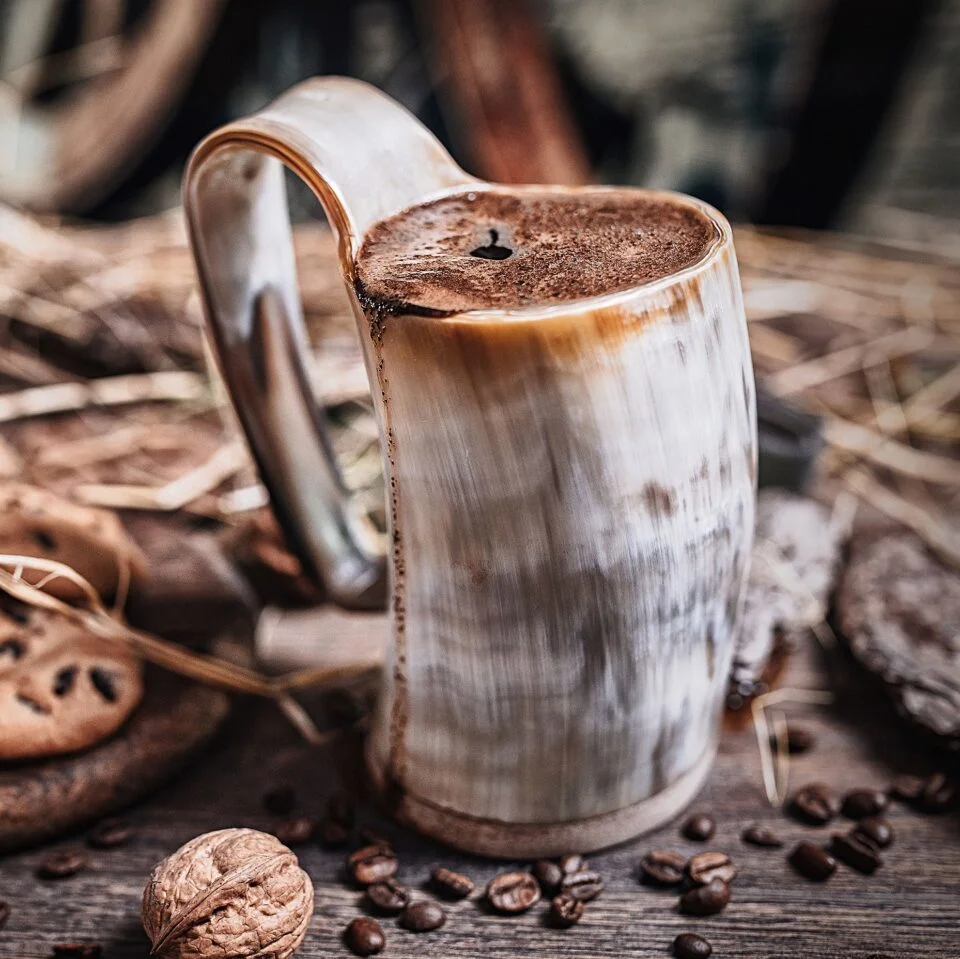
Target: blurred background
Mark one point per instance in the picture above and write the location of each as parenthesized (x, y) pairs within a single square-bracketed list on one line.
[(829, 114)]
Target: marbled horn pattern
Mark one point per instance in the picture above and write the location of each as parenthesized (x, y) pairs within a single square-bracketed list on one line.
[(573, 501)]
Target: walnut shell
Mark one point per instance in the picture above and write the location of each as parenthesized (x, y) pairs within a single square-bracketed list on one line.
[(233, 892)]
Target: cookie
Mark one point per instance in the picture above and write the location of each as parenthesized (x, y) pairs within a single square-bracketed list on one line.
[(61, 688), (35, 522), (898, 607)]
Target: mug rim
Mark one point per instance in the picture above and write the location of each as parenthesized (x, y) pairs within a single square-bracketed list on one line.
[(600, 301)]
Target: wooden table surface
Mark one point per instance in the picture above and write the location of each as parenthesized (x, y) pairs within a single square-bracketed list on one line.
[(911, 907)]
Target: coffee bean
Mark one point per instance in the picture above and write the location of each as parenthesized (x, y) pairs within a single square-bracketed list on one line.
[(699, 828), (565, 911), (815, 804), (706, 900), (707, 866), (77, 950), (364, 936), (938, 794), (332, 834), (4, 913), (422, 916), (855, 853), (340, 810), (906, 788), (372, 864), (62, 865), (764, 836), (513, 892), (369, 838), (110, 833), (295, 831), (572, 863), (876, 831), (280, 801), (548, 874), (799, 740), (860, 803), (661, 867), (689, 946), (389, 896), (584, 885), (451, 884), (812, 862)]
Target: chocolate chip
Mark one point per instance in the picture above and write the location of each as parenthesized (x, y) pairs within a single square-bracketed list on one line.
[(860, 803), (451, 884), (565, 911), (389, 896), (706, 900), (372, 864), (364, 936), (422, 916), (815, 804), (763, 836), (548, 874), (707, 866), (280, 800), (690, 946), (855, 853), (875, 830), (12, 649), (799, 740), (513, 892), (105, 683), (44, 540), (812, 862), (662, 867), (584, 885), (699, 828), (62, 864), (493, 250), (906, 788), (32, 704), (110, 833), (295, 831), (64, 680)]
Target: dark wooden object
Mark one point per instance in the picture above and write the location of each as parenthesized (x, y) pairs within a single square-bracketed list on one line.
[(49, 798), (908, 908)]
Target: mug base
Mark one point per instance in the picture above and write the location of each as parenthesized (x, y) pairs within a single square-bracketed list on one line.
[(504, 840)]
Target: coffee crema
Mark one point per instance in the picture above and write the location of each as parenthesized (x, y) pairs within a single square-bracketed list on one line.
[(490, 250)]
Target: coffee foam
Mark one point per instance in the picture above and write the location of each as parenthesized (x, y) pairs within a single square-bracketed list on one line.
[(495, 250)]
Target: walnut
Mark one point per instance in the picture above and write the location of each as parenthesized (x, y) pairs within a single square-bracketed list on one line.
[(233, 892)]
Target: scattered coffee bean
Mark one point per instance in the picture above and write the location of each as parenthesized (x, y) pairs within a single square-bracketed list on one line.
[(372, 864), (706, 900), (860, 803), (423, 916), (690, 946), (77, 950), (699, 828), (339, 809), (815, 804), (513, 892), (295, 831), (875, 830), (799, 740), (110, 833), (451, 884), (938, 793), (707, 866), (764, 836), (280, 801), (662, 867), (548, 874), (4, 913), (565, 911), (584, 885), (389, 896), (332, 834), (572, 863), (364, 936), (906, 788), (812, 862), (855, 853), (62, 865)]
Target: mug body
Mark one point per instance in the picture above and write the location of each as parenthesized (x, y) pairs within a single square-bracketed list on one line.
[(571, 515)]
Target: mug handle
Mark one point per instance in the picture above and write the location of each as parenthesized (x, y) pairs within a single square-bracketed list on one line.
[(364, 157)]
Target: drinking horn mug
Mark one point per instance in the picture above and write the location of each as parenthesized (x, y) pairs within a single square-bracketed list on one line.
[(571, 491)]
